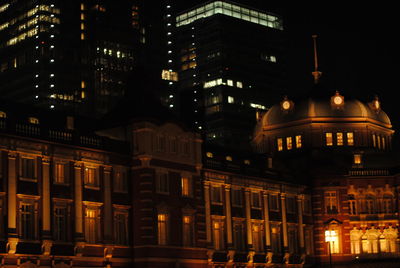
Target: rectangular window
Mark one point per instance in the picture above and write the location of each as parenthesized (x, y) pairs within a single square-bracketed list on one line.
[(61, 173), (291, 205), (162, 229), (60, 223), (218, 235), (307, 206), (188, 231), (185, 185), (331, 202), (276, 244), (255, 200), (91, 177), (28, 220), (298, 141), (162, 184), (231, 99), (239, 236), (293, 241), (329, 139), (350, 138), (120, 182), (237, 198), (273, 202), (28, 168), (121, 230), (289, 143), (339, 139), (279, 144), (92, 225), (216, 195), (257, 233)]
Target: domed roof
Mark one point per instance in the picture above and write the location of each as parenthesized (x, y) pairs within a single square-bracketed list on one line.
[(320, 110)]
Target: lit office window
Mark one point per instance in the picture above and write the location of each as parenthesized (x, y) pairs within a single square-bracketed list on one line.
[(350, 138), (329, 139), (231, 99)]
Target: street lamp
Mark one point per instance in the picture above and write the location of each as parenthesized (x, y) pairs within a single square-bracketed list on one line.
[(330, 237)]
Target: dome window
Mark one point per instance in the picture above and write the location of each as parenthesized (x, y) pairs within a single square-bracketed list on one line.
[(287, 104), (337, 101)]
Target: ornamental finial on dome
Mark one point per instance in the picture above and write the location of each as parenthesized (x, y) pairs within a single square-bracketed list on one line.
[(337, 101), (375, 104)]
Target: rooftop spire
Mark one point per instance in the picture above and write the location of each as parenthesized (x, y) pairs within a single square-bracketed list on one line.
[(317, 74)]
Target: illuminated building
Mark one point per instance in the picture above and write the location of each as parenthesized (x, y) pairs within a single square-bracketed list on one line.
[(341, 149), (230, 61), (66, 55)]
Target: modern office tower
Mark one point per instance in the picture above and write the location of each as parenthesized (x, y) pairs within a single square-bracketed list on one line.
[(73, 55), (230, 62)]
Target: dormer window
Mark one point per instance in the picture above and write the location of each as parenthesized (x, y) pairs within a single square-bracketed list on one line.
[(350, 138), (339, 139), (357, 159), (33, 120), (337, 101), (329, 139)]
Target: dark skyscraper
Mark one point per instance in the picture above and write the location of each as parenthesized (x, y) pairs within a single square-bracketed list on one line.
[(230, 61), (68, 55)]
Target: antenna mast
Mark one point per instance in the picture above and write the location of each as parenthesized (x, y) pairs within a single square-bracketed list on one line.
[(316, 74)]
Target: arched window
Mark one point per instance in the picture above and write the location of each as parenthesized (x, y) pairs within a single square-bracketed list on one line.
[(352, 204), (370, 204)]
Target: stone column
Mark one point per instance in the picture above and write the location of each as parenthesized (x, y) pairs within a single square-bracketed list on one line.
[(12, 203), (248, 218), (79, 236), (284, 229), (207, 211), (300, 200), (267, 228), (46, 214), (228, 218), (108, 211)]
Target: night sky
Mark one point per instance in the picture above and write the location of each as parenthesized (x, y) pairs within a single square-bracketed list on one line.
[(357, 49)]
